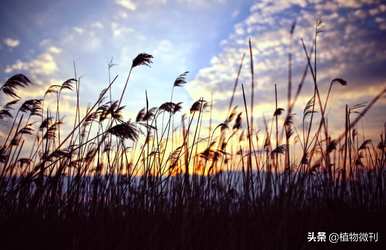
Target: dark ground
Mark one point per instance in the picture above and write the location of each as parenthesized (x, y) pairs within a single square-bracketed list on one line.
[(258, 229)]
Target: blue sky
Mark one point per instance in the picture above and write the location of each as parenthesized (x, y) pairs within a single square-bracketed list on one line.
[(182, 35), (207, 38)]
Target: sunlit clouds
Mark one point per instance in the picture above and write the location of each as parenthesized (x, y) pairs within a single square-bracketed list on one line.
[(43, 64), (350, 46), (208, 38)]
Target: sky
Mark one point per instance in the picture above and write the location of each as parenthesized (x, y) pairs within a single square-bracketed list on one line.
[(43, 39)]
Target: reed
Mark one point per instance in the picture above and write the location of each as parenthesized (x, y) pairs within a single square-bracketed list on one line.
[(108, 182)]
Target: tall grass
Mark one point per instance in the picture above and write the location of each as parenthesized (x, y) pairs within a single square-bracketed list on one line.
[(123, 180)]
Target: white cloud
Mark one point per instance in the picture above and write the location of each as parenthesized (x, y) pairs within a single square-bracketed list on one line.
[(201, 3), (350, 3), (78, 30), (132, 5), (127, 4), (120, 30), (10, 42), (97, 25), (42, 64), (343, 43), (54, 50)]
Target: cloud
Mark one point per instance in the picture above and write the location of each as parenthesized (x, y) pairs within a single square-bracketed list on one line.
[(97, 25), (43, 64), (127, 4), (347, 48), (10, 42), (78, 30), (119, 30), (201, 3), (340, 45), (132, 5)]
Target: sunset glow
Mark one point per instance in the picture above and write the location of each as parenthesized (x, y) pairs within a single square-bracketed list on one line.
[(192, 124)]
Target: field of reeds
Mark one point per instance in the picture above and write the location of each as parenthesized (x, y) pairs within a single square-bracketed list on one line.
[(174, 180)]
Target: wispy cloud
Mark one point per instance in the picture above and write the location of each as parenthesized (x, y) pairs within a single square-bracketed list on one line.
[(11, 42), (43, 64), (127, 4), (345, 41)]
